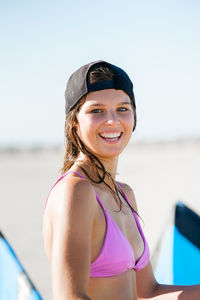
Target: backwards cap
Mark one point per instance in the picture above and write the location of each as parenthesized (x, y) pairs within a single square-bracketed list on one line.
[(78, 85)]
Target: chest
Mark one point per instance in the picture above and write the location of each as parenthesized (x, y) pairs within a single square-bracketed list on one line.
[(124, 221)]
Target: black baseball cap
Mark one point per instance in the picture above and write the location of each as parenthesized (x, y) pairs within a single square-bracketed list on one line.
[(78, 85)]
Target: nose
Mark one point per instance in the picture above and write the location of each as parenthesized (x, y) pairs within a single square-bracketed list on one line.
[(112, 118)]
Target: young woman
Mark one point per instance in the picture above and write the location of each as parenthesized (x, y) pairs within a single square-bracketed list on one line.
[(91, 228)]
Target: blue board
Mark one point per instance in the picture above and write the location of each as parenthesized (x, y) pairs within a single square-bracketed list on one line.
[(179, 256), (14, 281)]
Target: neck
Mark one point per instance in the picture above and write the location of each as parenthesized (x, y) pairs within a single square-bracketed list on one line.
[(110, 166)]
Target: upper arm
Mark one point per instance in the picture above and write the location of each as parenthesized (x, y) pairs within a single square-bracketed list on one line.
[(71, 244)]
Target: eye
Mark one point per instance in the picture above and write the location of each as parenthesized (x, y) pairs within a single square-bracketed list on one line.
[(96, 111), (123, 109)]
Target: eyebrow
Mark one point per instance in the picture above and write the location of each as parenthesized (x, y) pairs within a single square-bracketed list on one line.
[(100, 104)]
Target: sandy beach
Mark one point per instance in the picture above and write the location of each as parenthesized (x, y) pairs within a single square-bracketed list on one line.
[(159, 173)]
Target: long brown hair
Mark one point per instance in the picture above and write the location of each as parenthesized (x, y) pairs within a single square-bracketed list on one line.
[(74, 146)]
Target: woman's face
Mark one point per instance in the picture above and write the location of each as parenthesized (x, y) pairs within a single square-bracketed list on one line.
[(105, 122)]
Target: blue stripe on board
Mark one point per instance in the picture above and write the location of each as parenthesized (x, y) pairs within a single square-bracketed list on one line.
[(9, 271), (13, 278), (34, 296), (186, 260)]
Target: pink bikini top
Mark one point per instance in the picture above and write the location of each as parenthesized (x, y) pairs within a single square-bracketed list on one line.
[(117, 255)]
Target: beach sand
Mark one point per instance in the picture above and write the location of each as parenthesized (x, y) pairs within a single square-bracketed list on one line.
[(159, 173)]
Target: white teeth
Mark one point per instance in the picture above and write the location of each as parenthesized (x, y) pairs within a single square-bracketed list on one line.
[(111, 135)]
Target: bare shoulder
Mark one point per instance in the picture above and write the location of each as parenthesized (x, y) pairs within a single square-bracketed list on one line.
[(72, 201), (72, 193), (130, 194)]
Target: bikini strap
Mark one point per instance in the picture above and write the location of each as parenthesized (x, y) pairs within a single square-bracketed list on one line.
[(135, 214), (124, 194), (97, 196), (75, 173)]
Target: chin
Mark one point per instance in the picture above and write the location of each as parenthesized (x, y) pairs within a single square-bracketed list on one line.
[(107, 154)]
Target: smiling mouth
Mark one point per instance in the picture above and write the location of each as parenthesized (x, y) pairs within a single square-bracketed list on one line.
[(111, 137)]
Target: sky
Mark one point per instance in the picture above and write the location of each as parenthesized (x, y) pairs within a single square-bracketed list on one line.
[(42, 42)]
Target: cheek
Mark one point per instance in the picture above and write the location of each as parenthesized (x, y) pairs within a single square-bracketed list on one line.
[(86, 127), (90, 122), (129, 122)]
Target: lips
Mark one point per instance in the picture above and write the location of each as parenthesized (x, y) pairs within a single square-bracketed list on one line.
[(110, 136)]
